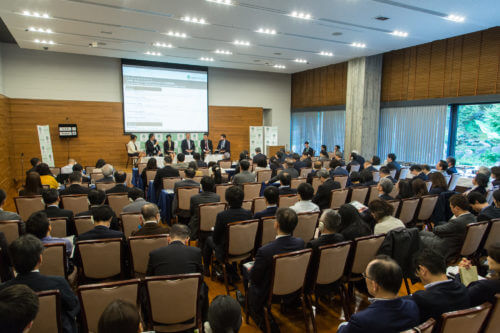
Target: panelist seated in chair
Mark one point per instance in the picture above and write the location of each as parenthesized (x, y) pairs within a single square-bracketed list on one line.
[(150, 219), (169, 146), (152, 146), (75, 185), (206, 145), (223, 146), (133, 149), (187, 145)]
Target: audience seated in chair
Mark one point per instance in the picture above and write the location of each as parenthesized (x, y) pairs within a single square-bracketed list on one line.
[(305, 204), (52, 200), (324, 192), (495, 175), (285, 181), (224, 315), (271, 195), (442, 167), (18, 308), (136, 197), (385, 172), (120, 187), (35, 161), (244, 176), (391, 162), (180, 162), (207, 195), (439, 184), (405, 189), (416, 171), (451, 165), (151, 165), (289, 170), (46, 176), (419, 187), (150, 217), (388, 312), (382, 211), (336, 168), (33, 185), (5, 215), (352, 225), (166, 172), (26, 253), (97, 198), (120, 317), (75, 185), (39, 226), (384, 188), (354, 179), (317, 165), (367, 178), (484, 210), (78, 168), (107, 172), (480, 183)]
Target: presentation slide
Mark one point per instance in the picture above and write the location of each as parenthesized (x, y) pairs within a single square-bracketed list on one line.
[(159, 99)]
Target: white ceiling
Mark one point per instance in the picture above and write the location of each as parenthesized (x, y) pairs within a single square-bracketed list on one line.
[(129, 28)]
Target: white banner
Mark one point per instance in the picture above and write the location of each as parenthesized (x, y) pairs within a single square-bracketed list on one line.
[(270, 136), (256, 139), (45, 145)]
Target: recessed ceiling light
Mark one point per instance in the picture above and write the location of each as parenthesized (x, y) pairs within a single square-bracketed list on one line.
[(279, 66), (43, 41), (223, 52), (176, 34), (36, 14), (158, 44), (206, 59), (42, 30), (266, 31), (301, 61), (399, 33), (326, 54), (221, 2), (194, 20), (455, 18), (157, 54), (241, 43), (301, 15), (360, 45)]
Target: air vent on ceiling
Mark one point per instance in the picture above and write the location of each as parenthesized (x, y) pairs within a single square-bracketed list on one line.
[(106, 32), (336, 33), (277, 53), (381, 18)]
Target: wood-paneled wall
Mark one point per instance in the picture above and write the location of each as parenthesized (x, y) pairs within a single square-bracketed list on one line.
[(6, 181), (234, 122), (466, 65)]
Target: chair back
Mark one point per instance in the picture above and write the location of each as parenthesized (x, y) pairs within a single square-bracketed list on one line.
[(208, 214), (83, 224), (197, 179), (128, 180), (150, 175), (338, 198), (101, 259), (104, 186), (453, 181), (342, 180), (489, 196), (88, 170), (469, 320), (76, 203), (395, 191), (251, 190), (11, 230), (95, 176), (268, 231), (427, 205), (355, 167), (26, 206), (494, 319), (180, 294), (58, 227), (220, 189), (55, 171), (288, 200), (182, 173), (408, 209), (247, 204), (473, 237), (94, 298), (184, 195), (304, 172), (395, 204), (264, 175), (117, 201), (373, 194), (241, 237), (54, 261), (225, 164), (493, 234), (296, 182), (130, 222), (259, 204), (403, 173), (48, 318), (169, 182), (365, 249), (306, 226), (332, 261), (316, 182), (141, 166), (289, 272), (428, 183), (359, 193), (426, 327), (204, 171), (376, 176), (393, 173), (141, 247)]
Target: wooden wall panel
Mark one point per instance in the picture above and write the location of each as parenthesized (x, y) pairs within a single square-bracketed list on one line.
[(6, 181), (234, 122)]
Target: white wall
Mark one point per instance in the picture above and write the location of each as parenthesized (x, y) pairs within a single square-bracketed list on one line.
[(61, 76)]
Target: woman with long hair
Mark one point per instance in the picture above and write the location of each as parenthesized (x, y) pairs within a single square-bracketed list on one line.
[(352, 225), (405, 189), (419, 187), (439, 184), (151, 165), (33, 185), (216, 174), (46, 176)]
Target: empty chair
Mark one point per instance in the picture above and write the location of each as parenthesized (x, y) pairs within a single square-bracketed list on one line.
[(11, 230), (101, 259), (58, 226), (493, 233), (55, 260), (268, 232), (296, 182), (95, 176), (89, 169), (338, 198), (130, 222), (373, 194), (94, 298), (247, 204), (105, 186), (466, 321), (208, 215), (26, 206), (359, 193), (48, 318), (251, 190), (220, 189), (259, 204), (264, 175), (117, 201), (83, 224), (169, 182), (395, 204), (453, 181), (427, 205), (306, 226), (287, 200), (180, 294), (77, 203), (342, 180), (141, 247), (403, 173), (473, 236), (150, 175), (184, 195), (426, 327), (304, 172), (408, 209)]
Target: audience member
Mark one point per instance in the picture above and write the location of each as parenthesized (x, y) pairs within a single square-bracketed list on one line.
[(484, 170), (33, 185), (102, 216), (442, 166), (305, 204), (376, 162), (150, 219), (317, 165), (180, 162), (391, 162), (6, 215), (495, 174), (355, 179), (386, 173), (98, 165), (193, 165), (107, 171), (224, 315), (166, 172), (217, 174), (208, 195), (35, 161), (439, 184), (121, 186), (97, 198), (367, 178), (324, 192), (336, 169), (285, 180), (259, 156), (352, 225), (354, 161), (78, 168), (18, 309), (419, 187), (416, 171), (198, 161), (339, 157), (369, 167), (384, 188), (46, 176), (451, 165), (120, 317), (51, 200), (244, 176), (480, 183), (271, 195), (75, 185), (382, 211), (136, 198), (261, 165), (67, 169), (405, 190), (485, 211), (289, 170), (151, 165), (323, 156), (426, 168), (39, 226)]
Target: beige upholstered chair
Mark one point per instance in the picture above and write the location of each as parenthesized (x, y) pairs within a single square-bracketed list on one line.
[(493, 234), (208, 214), (342, 181), (220, 189), (225, 164), (306, 226), (169, 182), (473, 237), (469, 320), (204, 171), (48, 318), (316, 182), (264, 175), (105, 186), (58, 227), (83, 224), (117, 201), (426, 208), (140, 248), (95, 176), (11, 230), (182, 173), (130, 222), (426, 327), (494, 319), (180, 294), (26, 206), (197, 179), (408, 209), (184, 195), (304, 172), (359, 193), (338, 198), (247, 204), (55, 260), (268, 233), (296, 182), (140, 167), (288, 200), (395, 204), (251, 190), (94, 298), (101, 259), (89, 169), (77, 203), (55, 171), (259, 204), (373, 193), (150, 175), (395, 191)]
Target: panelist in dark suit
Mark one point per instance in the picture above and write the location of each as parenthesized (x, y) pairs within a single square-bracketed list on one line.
[(51, 200), (152, 146), (307, 150), (208, 195), (187, 145), (150, 217), (388, 312), (120, 187), (75, 187), (271, 195), (165, 172), (26, 253), (169, 146), (206, 146), (324, 192), (223, 146)]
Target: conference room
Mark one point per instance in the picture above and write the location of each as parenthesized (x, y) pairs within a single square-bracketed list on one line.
[(225, 166)]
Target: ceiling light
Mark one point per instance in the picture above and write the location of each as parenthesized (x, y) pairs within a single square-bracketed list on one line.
[(455, 18), (266, 31), (206, 59), (157, 44), (399, 33), (279, 66), (43, 41), (177, 34), (36, 14), (301, 15), (301, 61), (33, 29), (221, 2), (360, 45), (194, 20), (326, 54), (223, 52), (153, 53), (241, 42)]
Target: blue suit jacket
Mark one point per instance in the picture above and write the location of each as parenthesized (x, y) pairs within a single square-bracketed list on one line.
[(384, 316), (227, 147), (269, 211)]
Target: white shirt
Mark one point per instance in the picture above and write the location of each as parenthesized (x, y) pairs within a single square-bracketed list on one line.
[(67, 169), (432, 284), (305, 206), (131, 147), (387, 224)]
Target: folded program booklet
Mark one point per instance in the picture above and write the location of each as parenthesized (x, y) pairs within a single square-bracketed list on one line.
[(248, 265), (358, 205), (468, 275)]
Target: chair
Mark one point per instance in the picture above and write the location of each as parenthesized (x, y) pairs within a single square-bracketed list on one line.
[(101, 259), (132, 159), (89, 169), (453, 182), (342, 180), (259, 204), (77, 203), (426, 327), (469, 320), (130, 222), (359, 193), (208, 215), (83, 224), (180, 294), (225, 164), (493, 233), (355, 168), (95, 176), (338, 198), (426, 208), (264, 175), (94, 298), (268, 233), (11, 229), (247, 204), (205, 171), (58, 227), (26, 206), (105, 186), (184, 195), (169, 182), (428, 183), (140, 247), (220, 189), (55, 260), (393, 173), (251, 190), (376, 176), (55, 171), (296, 182), (306, 226), (197, 179), (403, 173), (316, 182), (494, 318), (117, 201), (408, 209), (395, 204), (141, 166), (395, 191), (287, 200), (373, 193), (304, 172), (48, 318), (473, 236), (150, 175), (182, 173)]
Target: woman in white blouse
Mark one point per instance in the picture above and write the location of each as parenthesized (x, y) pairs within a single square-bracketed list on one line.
[(132, 148), (382, 211)]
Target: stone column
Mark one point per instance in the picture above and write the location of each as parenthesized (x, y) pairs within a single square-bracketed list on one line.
[(363, 105)]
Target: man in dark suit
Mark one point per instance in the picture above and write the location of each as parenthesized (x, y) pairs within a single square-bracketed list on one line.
[(307, 150), (385, 187), (336, 169), (484, 210), (416, 171), (385, 172), (187, 145), (317, 165), (169, 146), (271, 195), (20, 306), (165, 172), (388, 312), (5, 215), (259, 275), (324, 193), (120, 187), (441, 294), (285, 181), (26, 253), (223, 146), (199, 162), (51, 200), (207, 196), (75, 187), (290, 170), (187, 182), (152, 146), (206, 146), (150, 217), (136, 196), (35, 161), (391, 160), (97, 198), (303, 161), (367, 178), (368, 166), (259, 156)]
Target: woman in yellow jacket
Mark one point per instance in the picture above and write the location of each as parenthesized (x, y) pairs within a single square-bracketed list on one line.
[(46, 176)]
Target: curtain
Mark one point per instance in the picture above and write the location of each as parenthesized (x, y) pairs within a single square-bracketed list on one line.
[(415, 134)]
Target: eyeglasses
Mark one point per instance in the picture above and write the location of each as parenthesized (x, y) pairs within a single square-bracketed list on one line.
[(365, 276)]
